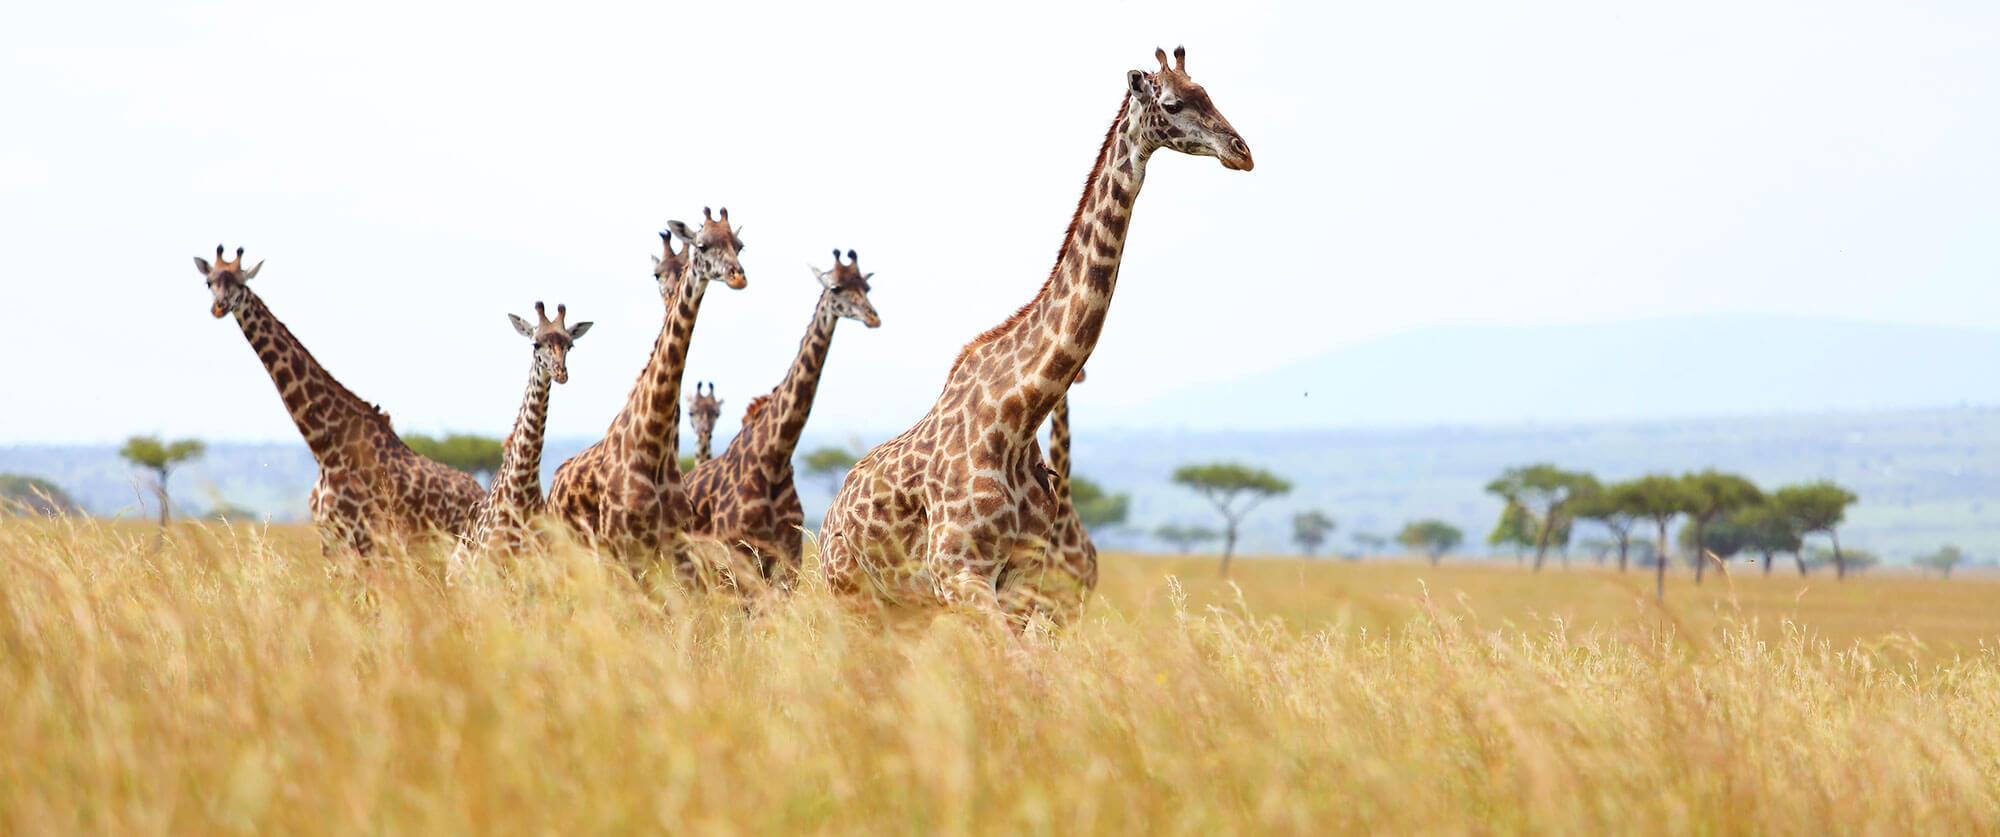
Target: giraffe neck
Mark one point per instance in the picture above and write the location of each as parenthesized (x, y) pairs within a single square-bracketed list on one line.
[(781, 421), (704, 435), (648, 428), (1026, 364), (520, 474), (1059, 439), (318, 404)]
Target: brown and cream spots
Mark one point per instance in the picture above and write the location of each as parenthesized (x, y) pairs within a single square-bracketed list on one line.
[(703, 411), (748, 496), (623, 494), (959, 510), (371, 486), (504, 519)]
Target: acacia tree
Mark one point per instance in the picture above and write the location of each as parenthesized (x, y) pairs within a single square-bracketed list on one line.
[(1184, 538), (20, 493), (160, 457), (477, 455), (1094, 507), (1368, 543), (1768, 530), (1943, 560), (1607, 508), (1234, 490), (1431, 537), (1545, 492), (1712, 495), (1310, 529), (1818, 507), (1659, 498), (830, 464)]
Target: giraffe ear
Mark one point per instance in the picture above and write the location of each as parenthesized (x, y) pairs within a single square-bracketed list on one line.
[(201, 264), (1140, 86), (681, 231), (252, 272), (825, 277), (576, 331), (522, 326)]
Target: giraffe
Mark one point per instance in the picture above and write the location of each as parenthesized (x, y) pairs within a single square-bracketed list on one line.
[(703, 409), (623, 494), (1059, 585), (747, 497), (504, 516), (371, 486), (958, 507)]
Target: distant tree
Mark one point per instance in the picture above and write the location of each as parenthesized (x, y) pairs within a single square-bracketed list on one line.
[(687, 463), (1433, 538), (1768, 530), (1818, 507), (1724, 538), (479, 456), (23, 494), (1856, 560), (229, 512), (1094, 507), (1234, 490), (1658, 498), (1184, 538), (1310, 529), (160, 457), (1545, 492), (1712, 495), (1368, 543), (1599, 548), (1943, 560), (1515, 532), (830, 464), (1611, 509)]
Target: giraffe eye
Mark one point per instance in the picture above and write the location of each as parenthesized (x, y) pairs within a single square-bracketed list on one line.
[(1171, 105)]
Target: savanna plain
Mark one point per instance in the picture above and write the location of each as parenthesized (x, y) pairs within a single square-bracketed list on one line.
[(217, 680)]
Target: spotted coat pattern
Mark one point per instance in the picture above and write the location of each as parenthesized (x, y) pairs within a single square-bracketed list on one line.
[(503, 522), (959, 509), (371, 488)]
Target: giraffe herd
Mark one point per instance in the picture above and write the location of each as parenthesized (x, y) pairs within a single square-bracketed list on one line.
[(960, 510)]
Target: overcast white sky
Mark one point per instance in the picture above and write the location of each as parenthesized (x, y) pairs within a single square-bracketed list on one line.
[(413, 172)]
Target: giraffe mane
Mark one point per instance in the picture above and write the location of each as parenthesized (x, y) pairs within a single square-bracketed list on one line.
[(756, 406), (1062, 255)]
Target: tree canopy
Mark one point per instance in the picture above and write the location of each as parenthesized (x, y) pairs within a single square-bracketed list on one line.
[(1943, 560), (1817, 507), (467, 452), (830, 463), (1544, 492), (1711, 495), (1184, 538), (1094, 507), (1515, 531), (160, 457)]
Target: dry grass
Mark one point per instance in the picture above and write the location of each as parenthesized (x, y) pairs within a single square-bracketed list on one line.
[(235, 683)]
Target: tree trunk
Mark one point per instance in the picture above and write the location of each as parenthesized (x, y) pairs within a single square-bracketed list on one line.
[(1767, 564), (1624, 541), (1435, 555), (1799, 555), (1228, 544), (1660, 571), (1839, 563), (1542, 539), (1700, 548), (160, 487)]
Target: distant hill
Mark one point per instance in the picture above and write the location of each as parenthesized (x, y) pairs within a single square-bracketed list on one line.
[(1645, 369)]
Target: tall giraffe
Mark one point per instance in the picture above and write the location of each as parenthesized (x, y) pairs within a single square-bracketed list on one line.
[(371, 486), (747, 497), (624, 493), (506, 514), (703, 409), (954, 510)]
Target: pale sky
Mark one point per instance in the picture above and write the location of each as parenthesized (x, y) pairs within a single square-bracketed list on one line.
[(414, 172)]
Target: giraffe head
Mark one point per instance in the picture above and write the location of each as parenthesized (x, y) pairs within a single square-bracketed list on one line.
[(552, 340), (667, 269), (703, 409), (1175, 113), (227, 280), (849, 287), (711, 250)]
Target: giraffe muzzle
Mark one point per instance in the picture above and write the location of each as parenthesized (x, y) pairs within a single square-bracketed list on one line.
[(218, 310), (1237, 157)]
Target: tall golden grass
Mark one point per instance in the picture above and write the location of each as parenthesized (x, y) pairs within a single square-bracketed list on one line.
[(217, 681)]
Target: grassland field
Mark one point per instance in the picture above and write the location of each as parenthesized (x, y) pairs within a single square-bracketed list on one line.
[(209, 680)]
